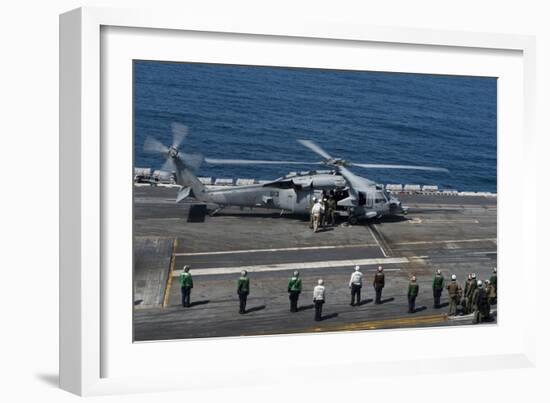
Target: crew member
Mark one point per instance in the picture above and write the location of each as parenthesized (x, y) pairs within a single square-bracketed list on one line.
[(294, 290), (324, 217), (412, 293), (485, 306), (467, 289), (472, 290), (493, 280), (378, 284), (355, 284), (314, 200), (454, 291), (479, 296), (316, 212), (186, 283), (243, 289), (437, 287), (331, 208), (319, 299)]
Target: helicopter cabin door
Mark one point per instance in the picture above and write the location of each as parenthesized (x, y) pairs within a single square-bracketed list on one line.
[(365, 200), (287, 199)]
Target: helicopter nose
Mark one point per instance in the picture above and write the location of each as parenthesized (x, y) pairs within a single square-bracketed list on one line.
[(395, 206)]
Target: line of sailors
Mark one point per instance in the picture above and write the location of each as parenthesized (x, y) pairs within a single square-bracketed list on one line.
[(476, 297)]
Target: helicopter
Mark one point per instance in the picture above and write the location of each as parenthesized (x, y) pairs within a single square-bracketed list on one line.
[(356, 197)]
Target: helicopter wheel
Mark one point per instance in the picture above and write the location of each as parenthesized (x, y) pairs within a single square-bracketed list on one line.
[(352, 220)]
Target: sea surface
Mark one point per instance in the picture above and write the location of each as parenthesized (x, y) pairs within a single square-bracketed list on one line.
[(249, 112)]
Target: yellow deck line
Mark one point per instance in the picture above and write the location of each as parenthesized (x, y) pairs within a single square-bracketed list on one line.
[(376, 324), (170, 274)]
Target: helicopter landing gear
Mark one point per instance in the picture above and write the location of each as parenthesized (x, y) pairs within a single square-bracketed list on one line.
[(353, 220), (216, 211)]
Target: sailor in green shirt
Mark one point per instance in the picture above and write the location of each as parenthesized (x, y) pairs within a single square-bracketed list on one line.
[(294, 290), (437, 287), (186, 283), (243, 289), (412, 293)]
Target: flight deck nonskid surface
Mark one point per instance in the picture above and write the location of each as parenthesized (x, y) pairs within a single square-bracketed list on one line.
[(456, 234)]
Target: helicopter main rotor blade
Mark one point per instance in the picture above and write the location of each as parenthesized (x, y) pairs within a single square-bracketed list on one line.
[(215, 161), (179, 132), (386, 166), (192, 161), (153, 146), (315, 148)]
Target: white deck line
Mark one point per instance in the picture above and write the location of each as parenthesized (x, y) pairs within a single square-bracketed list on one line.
[(377, 242), (295, 266), (229, 252), (446, 241)]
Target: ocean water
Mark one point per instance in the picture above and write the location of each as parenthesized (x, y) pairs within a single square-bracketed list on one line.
[(366, 117)]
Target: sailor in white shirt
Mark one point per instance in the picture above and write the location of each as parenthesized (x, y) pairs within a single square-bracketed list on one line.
[(316, 212), (355, 283), (319, 299)]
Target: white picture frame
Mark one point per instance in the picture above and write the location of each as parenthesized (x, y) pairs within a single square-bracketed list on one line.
[(87, 300)]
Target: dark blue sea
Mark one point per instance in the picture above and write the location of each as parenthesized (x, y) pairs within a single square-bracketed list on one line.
[(366, 117)]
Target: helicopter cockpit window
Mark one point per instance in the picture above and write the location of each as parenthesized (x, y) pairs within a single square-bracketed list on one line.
[(362, 198), (380, 197)]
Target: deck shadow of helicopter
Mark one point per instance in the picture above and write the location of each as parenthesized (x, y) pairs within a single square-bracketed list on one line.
[(387, 219), (272, 215), (304, 218)]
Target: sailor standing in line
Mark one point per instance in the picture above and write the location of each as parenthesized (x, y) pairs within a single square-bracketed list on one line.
[(493, 281), (186, 283), (437, 287), (378, 285), (355, 284), (319, 299), (454, 295), (243, 289), (470, 296), (412, 293), (469, 283), (476, 298), (294, 290)]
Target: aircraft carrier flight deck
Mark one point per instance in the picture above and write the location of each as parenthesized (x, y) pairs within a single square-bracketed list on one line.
[(454, 233)]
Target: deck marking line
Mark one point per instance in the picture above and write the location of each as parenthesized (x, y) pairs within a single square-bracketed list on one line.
[(228, 252), (296, 266), (447, 241), (373, 324), (441, 221), (376, 240), (493, 252)]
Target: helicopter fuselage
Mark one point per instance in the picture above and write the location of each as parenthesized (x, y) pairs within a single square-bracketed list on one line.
[(294, 193)]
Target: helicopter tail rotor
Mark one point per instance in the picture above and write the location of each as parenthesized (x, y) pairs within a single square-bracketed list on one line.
[(172, 154)]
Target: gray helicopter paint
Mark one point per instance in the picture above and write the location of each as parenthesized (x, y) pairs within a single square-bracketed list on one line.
[(272, 195), (292, 193)]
